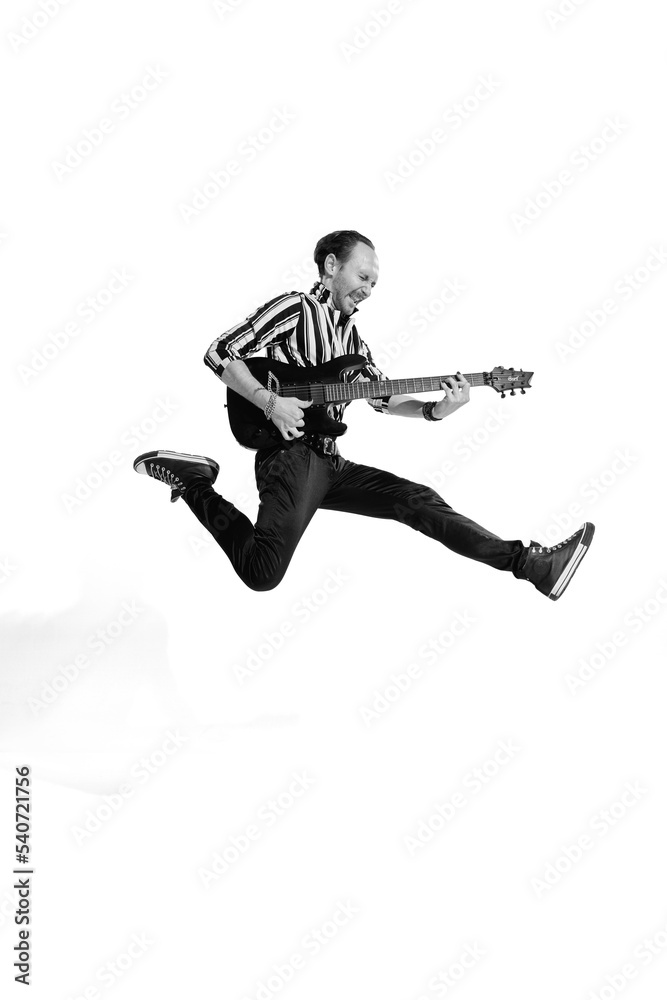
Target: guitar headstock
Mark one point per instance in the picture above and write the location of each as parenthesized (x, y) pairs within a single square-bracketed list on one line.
[(508, 380)]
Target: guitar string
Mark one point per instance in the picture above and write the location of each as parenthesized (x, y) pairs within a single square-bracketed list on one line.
[(351, 391)]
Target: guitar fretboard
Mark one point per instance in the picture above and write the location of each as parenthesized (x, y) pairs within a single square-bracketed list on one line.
[(343, 392)]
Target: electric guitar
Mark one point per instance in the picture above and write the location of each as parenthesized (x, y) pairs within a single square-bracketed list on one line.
[(323, 384)]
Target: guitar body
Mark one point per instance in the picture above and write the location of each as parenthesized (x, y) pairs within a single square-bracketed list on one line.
[(248, 423)]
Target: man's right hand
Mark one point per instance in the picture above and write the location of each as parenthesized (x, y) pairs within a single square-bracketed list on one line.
[(288, 416)]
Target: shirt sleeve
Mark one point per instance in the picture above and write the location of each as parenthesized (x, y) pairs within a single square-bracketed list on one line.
[(270, 324), (371, 371)]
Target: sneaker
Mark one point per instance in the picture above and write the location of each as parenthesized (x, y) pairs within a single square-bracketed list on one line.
[(176, 469), (550, 569)]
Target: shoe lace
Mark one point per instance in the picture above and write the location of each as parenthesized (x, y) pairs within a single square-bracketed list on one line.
[(548, 549), (166, 476)]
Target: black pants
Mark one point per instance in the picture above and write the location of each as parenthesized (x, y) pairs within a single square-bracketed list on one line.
[(293, 481)]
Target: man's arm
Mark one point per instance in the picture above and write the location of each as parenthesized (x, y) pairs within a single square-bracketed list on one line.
[(457, 394), (270, 324), (288, 412)]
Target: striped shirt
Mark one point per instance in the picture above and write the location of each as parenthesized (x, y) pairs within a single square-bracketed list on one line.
[(297, 328)]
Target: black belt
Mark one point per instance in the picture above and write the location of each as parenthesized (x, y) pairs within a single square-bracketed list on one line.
[(320, 443)]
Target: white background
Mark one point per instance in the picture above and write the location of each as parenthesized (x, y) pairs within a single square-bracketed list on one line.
[(161, 704)]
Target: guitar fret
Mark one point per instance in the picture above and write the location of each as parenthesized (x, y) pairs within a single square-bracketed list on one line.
[(328, 392)]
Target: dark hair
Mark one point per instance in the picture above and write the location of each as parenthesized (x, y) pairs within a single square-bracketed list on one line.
[(341, 244)]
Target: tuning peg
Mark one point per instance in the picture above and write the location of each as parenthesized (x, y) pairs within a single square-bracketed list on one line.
[(512, 392), (523, 392), (502, 395)]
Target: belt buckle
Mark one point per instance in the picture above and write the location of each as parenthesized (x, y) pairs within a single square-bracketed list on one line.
[(328, 446)]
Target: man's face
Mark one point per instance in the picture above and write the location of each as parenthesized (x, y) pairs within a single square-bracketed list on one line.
[(353, 281)]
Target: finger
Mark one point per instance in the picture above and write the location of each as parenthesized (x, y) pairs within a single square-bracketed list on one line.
[(458, 388), (304, 402)]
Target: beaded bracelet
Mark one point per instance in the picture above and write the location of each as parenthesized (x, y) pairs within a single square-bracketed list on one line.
[(427, 410), (270, 406)]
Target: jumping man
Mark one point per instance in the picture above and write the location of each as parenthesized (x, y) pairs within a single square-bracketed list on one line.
[(299, 473)]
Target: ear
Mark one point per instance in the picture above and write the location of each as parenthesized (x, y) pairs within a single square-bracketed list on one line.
[(330, 262)]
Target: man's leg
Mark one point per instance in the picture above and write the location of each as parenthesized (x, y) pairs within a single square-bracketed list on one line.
[(361, 489), (292, 482), (364, 490)]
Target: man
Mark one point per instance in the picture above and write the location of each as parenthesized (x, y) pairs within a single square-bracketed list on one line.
[(304, 472)]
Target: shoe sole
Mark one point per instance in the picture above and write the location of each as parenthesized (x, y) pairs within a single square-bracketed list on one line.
[(582, 548), (156, 455)]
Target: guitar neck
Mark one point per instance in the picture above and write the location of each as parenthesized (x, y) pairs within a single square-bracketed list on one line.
[(345, 391)]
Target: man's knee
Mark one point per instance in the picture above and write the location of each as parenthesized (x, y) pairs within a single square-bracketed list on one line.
[(263, 579)]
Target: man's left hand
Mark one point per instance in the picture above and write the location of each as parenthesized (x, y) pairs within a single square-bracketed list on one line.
[(457, 393)]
